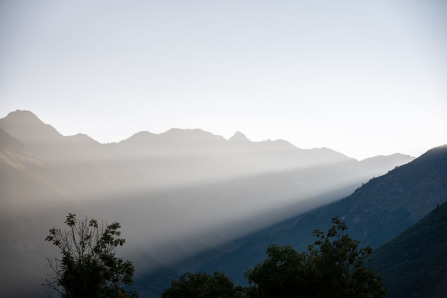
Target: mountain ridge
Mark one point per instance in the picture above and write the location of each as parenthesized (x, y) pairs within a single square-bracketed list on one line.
[(28, 128), (18, 122), (197, 193), (375, 213)]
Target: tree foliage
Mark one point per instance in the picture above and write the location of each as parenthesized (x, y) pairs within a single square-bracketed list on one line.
[(283, 274), (332, 267), (88, 266), (203, 285)]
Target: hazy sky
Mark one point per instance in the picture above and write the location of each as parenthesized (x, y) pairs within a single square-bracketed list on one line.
[(361, 77)]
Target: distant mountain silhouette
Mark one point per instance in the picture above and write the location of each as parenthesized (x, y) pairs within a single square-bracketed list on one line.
[(375, 213), (176, 142), (239, 137), (176, 193), (81, 138), (27, 128), (414, 264)]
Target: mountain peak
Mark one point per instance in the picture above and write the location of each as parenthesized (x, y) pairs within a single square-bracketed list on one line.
[(82, 139), (28, 128), (238, 137), (139, 136), (186, 131), (23, 116)]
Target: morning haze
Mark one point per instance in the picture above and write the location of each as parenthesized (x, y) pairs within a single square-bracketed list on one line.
[(196, 124), (176, 194)]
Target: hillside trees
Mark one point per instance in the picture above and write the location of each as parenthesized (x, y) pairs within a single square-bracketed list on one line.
[(414, 264), (88, 266), (332, 267)]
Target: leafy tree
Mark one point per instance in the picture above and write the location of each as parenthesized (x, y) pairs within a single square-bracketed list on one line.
[(203, 285), (285, 273), (88, 266), (332, 267)]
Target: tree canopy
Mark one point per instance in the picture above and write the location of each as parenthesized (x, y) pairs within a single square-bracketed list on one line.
[(332, 267), (88, 266)]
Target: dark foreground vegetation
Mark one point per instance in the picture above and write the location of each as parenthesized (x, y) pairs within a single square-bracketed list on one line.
[(331, 267), (88, 266)]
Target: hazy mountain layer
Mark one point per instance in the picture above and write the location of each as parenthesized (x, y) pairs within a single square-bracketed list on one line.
[(175, 193), (375, 213)]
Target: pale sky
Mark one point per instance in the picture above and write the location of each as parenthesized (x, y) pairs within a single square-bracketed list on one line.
[(364, 78)]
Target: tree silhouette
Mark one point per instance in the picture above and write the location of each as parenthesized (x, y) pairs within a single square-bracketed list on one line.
[(332, 267), (88, 266)]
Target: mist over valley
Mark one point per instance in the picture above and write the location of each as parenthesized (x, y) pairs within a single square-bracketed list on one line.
[(176, 194)]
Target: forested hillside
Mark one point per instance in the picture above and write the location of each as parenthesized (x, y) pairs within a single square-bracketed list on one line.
[(375, 213), (414, 264)]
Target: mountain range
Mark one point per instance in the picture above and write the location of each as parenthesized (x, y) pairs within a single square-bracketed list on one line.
[(178, 194), (375, 214)]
